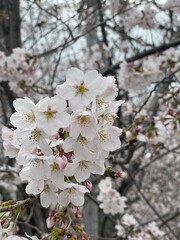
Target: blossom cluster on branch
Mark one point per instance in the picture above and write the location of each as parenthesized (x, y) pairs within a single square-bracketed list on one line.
[(59, 144), (61, 136), (138, 75), (18, 70)]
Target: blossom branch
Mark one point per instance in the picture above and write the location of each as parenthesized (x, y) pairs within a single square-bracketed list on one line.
[(18, 204)]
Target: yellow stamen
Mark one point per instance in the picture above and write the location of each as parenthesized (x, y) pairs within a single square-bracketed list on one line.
[(49, 113), (81, 89), (83, 164), (102, 135)]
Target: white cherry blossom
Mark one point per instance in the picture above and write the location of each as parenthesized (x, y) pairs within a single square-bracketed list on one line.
[(78, 145), (24, 117), (129, 220), (38, 167), (36, 138), (84, 123), (107, 138), (120, 230), (48, 195), (83, 166), (113, 203), (11, 149), (51, 115), (110, 200), (73, 193), (79, 88), (105, 184), (34, 186), (57, 175)]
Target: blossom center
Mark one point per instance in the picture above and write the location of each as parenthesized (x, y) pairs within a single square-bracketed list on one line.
[(84, 120), (46, 189), (81, 89), (99, 101), (36, 162), (82, 140), (35, 135), (70, 190), (54, 166), (29, 117), (83, 164), (102, 135), (49, 113)]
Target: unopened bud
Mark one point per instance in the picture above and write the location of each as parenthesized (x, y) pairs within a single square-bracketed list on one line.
[(74, 209), (120, 174), (88, 184), (84, 236), (78, 215), (51, 213), (50, 222), (61, 161), (138, 128)]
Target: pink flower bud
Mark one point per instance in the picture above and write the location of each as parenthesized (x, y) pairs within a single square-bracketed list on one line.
[(74, 209), (49, 222), (78, 215), (120, 174), (33, 151), (88, 184), (51, 213), (84, 236), (138, 128), (61, 161)]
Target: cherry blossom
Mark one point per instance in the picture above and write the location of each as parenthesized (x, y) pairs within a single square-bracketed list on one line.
[(73, 193), (11, 149), (84, 123), (36, 138), (79, 88), (107, 138), (120, 230), (83, 166), (24, 116), (51, 114), (111, 201)]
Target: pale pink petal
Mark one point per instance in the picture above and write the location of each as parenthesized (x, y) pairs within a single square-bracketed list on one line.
[(65, 91), (74, 76), (77, 198), (63, 198)]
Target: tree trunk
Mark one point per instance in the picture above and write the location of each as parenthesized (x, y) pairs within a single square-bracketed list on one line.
[(9, 39), (10, 34)]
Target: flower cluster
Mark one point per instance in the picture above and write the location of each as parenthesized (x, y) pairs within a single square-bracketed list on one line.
[(139, 75), (17, 71), (111, 200), (60, 141), (129, 228), (144, 18)]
